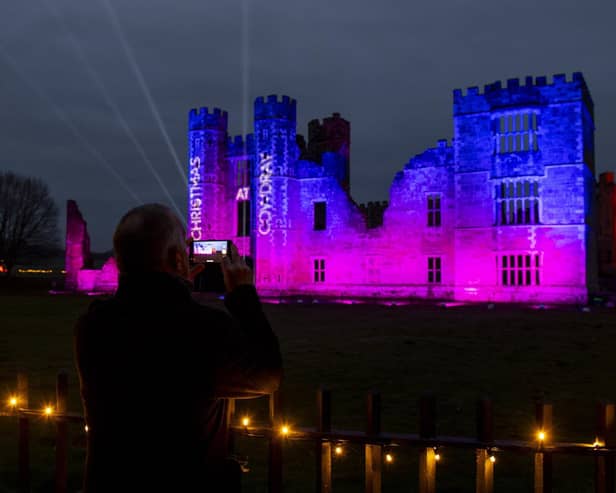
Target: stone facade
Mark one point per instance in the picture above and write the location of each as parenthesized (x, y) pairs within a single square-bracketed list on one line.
[(506, 212), (80, 274), (77, 249)]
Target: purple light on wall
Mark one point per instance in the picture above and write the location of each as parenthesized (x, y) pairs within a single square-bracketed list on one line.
[(196, 161), (503, 213), (79, 275)]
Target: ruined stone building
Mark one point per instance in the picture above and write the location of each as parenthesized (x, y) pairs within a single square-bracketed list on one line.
[(506, 211)]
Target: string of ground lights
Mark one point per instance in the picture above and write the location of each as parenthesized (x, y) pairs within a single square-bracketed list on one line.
[(284, 430), (335, 444)]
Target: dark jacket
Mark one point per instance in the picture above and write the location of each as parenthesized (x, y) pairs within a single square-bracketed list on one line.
[(155, 367)]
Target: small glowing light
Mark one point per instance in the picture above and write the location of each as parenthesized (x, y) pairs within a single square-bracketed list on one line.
[(245, 422), (597, 443), (492, 459), (284, 430), (389, 458), (13, 401), (86, 428), (541, 436), (437, 457), (338, 450), (48, 410)]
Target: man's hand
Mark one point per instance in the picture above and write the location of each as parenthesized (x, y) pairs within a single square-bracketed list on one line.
[(196, 269), (235, 270)]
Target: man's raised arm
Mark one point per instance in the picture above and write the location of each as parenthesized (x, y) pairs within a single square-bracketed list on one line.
[(249, 363)]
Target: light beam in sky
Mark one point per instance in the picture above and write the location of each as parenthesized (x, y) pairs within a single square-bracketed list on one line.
[(245, 84), (245, 67), (115, 22), (100, 85), (61, 115)]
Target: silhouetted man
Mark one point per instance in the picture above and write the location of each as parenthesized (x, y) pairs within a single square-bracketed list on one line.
[(155, 366)]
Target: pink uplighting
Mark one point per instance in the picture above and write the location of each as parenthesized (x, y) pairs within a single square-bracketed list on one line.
[(502, 213)]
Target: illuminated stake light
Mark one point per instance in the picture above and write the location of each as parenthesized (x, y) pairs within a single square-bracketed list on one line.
[(492, 459), (541, 436), (597, 443), (246, 422), (284, 430), (13, 401), (48, 410), (338, 450), (86, 428)]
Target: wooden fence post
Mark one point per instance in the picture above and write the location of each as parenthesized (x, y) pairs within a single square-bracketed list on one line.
[(24, 435), (275, 445), (604, 464), (230, 422), (427, 455), (61, 432), (323, 451), (543, 460), (373, 453), (485, 434)]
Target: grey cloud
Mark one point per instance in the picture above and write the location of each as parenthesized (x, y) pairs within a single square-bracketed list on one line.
[(387, 66)]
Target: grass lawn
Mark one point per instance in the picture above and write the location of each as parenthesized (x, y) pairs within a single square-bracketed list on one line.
[(510, 354)]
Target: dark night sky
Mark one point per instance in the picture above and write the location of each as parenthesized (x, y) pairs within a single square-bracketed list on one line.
[(388, 66)]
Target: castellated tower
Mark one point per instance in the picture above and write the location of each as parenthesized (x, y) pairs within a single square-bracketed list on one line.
[(275, 155), (332, 135), (207, 174), (524, 181)]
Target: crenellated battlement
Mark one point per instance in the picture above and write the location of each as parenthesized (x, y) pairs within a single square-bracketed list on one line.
[(204, 119), (376, 203), (530, 91), (240, 146), (274, 108), (373, 213)]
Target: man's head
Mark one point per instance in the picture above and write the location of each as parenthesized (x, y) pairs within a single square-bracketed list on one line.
[(151, 238)]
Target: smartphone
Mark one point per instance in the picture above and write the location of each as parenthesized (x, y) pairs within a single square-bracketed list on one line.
[(209, 251)]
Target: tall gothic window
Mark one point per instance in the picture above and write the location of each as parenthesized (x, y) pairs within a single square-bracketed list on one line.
[(519, 269), (243, 218), (434, 209), (320, 216), (517, 202), (434, 270), (319, 270), (516, 132)]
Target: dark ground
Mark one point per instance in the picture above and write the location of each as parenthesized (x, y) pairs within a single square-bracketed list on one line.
[(510, 353)]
